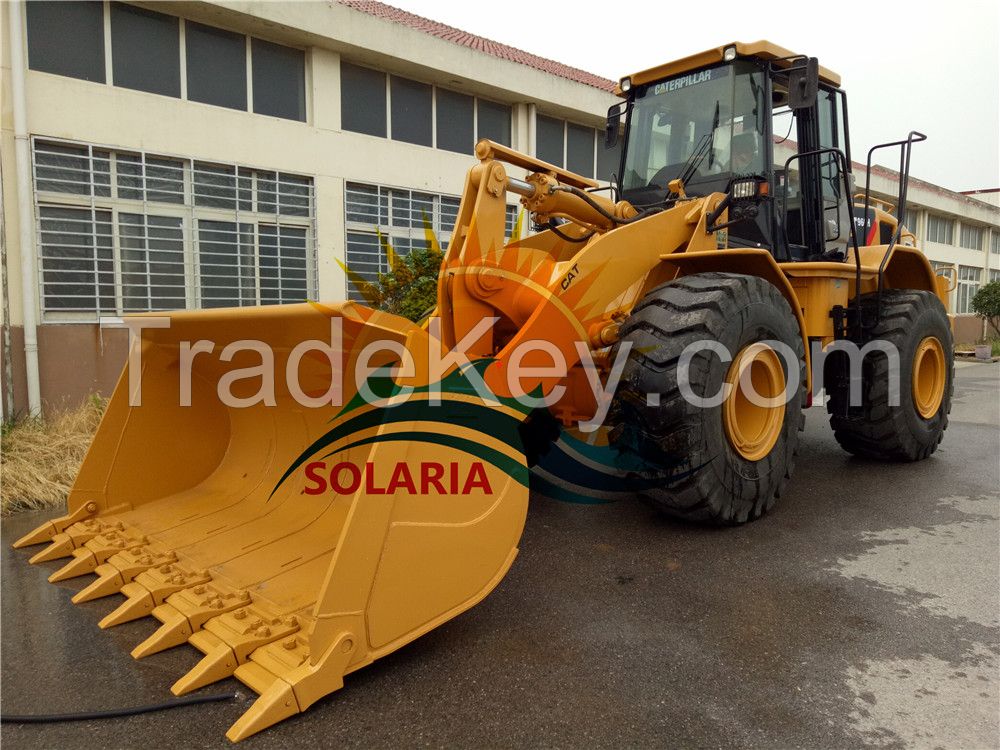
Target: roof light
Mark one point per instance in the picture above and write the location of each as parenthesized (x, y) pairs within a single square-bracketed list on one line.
[(625, 84), (729, 54)]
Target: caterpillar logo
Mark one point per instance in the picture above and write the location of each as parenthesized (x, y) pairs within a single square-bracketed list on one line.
[(425, 478), (568, 279), (692, 79)]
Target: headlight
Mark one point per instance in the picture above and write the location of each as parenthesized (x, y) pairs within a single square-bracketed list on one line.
[(729, 54), (743, 189), (625, 84)]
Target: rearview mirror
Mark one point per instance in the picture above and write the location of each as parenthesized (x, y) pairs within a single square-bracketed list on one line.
[(613, 124), (803, 84)]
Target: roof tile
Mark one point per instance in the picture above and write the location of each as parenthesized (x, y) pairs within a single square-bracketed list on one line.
[(488, 46)]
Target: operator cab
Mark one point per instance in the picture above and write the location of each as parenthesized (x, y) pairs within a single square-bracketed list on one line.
[(739, 113)]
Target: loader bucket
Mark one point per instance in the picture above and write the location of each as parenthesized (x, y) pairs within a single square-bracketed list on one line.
[(291, 543)]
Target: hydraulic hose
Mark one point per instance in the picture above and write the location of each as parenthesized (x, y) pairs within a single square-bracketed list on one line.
[(554, 228), (115, 713), (586, 198)]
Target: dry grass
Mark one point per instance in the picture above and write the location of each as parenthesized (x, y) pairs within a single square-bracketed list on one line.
[(39, 457)]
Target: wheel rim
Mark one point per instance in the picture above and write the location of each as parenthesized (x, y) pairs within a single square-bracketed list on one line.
[(928, 377), (753, 428)]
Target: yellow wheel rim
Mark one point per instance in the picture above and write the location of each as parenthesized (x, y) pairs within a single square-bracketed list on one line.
[(928, 377), (753, 428)]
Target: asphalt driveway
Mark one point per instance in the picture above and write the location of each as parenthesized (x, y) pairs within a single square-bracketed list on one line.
[(863, 610)]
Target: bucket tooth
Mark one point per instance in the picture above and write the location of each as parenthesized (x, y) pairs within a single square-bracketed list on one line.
[(187, 611), (289, 681), (270, 663), (138, 604), (121, 568), (61, 546), (112, 541), (174, 631), (276, 704), (83, 562), (150, 589), (75, 536), (46, 531), (43, 533), (227, 642), (218, 663), (109, 581)]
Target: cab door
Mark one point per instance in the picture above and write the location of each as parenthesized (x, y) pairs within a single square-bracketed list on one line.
[(811, 202)]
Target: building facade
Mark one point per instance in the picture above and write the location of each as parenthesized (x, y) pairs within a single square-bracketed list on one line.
[(172, 155)]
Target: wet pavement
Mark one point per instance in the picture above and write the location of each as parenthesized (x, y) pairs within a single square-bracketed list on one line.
[(863, 610)]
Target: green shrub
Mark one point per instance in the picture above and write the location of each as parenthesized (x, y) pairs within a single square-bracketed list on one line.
[(986, 304), (409, 287)]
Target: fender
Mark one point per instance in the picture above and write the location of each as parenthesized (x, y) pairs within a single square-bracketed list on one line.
[(748, 261)]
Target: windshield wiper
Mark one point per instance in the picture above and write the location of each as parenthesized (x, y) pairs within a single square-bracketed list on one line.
[(715, 125), (703, 149), (694, 161)]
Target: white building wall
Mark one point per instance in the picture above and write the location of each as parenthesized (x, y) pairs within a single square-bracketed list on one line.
[(102, 114), (925, 199)]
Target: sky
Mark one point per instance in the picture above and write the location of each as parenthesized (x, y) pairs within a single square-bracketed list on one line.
[(930, 67)]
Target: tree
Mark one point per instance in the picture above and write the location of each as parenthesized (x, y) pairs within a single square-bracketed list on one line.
[(986, 304), (409, 287)]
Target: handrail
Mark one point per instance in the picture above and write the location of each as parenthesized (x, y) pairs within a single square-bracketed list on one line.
[(889, 208), (841, 158), (905, 147), (842, 163)]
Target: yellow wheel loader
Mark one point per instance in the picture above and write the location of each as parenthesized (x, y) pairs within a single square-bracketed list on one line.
[(299, 490)]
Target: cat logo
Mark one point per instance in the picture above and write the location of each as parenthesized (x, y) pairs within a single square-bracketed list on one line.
[(573, 273)]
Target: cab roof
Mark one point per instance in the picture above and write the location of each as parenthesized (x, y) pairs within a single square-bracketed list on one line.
[(761, 49)]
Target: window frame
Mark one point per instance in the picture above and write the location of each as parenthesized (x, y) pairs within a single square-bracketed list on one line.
[(596, 145), (133, 12), (570, 126), (542, 118), (102, 40), (387, 131), (933, 223), (970, 228), (107, 57), (246, 73), (399, 88), (252, 78), (188, 212), (389, 230), (459, 99), (966, 288)]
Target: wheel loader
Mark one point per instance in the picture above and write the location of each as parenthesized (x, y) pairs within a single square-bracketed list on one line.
[(294, 529)]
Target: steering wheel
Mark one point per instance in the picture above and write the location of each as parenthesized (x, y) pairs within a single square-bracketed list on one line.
[(662, 177)]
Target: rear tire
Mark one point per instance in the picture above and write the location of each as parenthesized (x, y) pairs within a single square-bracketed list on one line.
[(698, 470), (911, 321)]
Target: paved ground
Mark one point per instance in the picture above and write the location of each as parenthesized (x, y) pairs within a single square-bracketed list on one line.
[(864, 610)]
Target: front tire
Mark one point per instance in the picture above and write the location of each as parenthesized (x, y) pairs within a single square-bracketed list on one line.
[(910, 426), (727, 463)]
